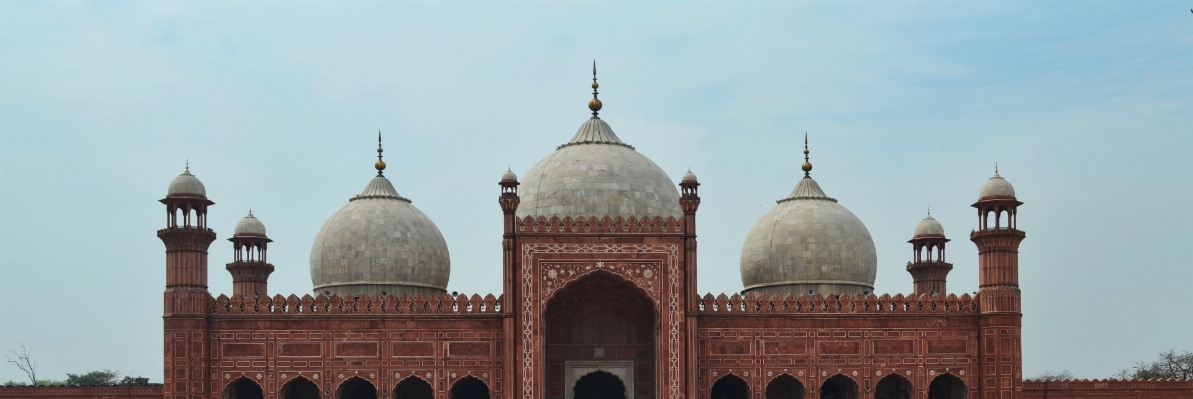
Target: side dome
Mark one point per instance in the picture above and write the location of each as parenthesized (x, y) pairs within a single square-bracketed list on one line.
[(596, 174), (379, 242), (996, 187), (808, 243), (250, 225), (928, 227), (186, 184)]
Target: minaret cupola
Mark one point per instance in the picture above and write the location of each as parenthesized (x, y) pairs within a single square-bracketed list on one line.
[(928, 268), (249, 268)]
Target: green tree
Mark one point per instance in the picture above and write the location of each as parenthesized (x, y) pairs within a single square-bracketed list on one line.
[(95, 378), (1052, 375)]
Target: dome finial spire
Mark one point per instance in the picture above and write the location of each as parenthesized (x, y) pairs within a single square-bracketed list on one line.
[(807, 165), (380, 165), (595, 104)]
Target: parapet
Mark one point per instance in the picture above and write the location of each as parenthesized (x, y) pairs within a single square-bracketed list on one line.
[(356, 305), (844, 304), (593, 225)]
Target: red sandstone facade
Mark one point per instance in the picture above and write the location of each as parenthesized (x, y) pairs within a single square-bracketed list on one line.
[(610, 299)]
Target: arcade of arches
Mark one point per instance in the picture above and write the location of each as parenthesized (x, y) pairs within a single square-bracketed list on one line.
[(600, 317)]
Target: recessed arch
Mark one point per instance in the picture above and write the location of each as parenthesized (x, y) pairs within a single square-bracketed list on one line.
[(469, 387), (599, 385), (893, 386), (356, 388), (299, 388), (839, 386), (243, 388), (729, 386), (600, 321), (413, 387), (947, 386), (785, 386)]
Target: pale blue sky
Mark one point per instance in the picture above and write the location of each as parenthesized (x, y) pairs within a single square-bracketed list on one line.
[(1086, 107)]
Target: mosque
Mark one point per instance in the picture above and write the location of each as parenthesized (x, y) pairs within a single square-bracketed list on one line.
[(598, 298)]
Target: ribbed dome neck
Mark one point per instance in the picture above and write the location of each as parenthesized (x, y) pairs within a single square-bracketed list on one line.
[(379, 188), (595, 131), (807, 189)]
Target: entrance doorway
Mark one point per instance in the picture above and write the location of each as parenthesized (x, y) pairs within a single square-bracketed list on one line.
[(600, 322), (838, 387), (599, 385)]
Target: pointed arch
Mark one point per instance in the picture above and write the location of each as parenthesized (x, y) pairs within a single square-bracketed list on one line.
[(599, 385), (356, 388), (299, 388), (243, 388), (785, 386), (469, 387), (730, 386), (947, 386), (413, 387), (893, 386), (839, 386)]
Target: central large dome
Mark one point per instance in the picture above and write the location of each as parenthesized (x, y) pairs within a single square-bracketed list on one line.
[(596, 174)]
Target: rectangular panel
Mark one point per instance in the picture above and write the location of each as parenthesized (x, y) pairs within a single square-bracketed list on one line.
[(949, 346), (840, 348), (300, 349), (469, 349), (356, 349), (412, 349), (891, 347), (793, 347), (729, 347), (243, 350)]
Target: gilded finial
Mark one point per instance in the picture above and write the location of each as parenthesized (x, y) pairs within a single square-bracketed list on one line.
[(594, 104), (380, 165), (807, 165), (929, 211), (188, 165)]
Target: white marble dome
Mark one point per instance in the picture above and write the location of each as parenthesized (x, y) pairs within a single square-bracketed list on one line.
[(379, 242), (596, 174), (186, 184), (928, 227), (808, 243), (250, 225), (997, 187)]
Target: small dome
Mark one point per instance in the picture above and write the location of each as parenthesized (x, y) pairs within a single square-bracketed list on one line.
[(187, 184), (928, 227), (250, 225), (808, 242), (509, 176), (688, 177), (997, 187), (379, 242), (596, 174)]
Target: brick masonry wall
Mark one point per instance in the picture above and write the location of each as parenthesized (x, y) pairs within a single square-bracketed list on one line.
[(84, 392), (1107, 389)]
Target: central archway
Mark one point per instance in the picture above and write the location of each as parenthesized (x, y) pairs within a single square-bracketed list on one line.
[(893, 386), (299, 388), (600, 322), (243, 388), (356, 388), (599, 385)]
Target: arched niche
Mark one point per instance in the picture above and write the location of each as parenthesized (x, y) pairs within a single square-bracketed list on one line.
[(469, 387), (784, 386), (414, 388), (839, 387), (893, 386), (299, 388), (599, 385), (730, 386), (947, 386), (600, 322), (356, 388), (243, 388)]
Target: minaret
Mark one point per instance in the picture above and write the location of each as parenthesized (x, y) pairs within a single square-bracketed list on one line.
[(187, 239), (998, 239), (928, 268), (249, 267), (689, 201)]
